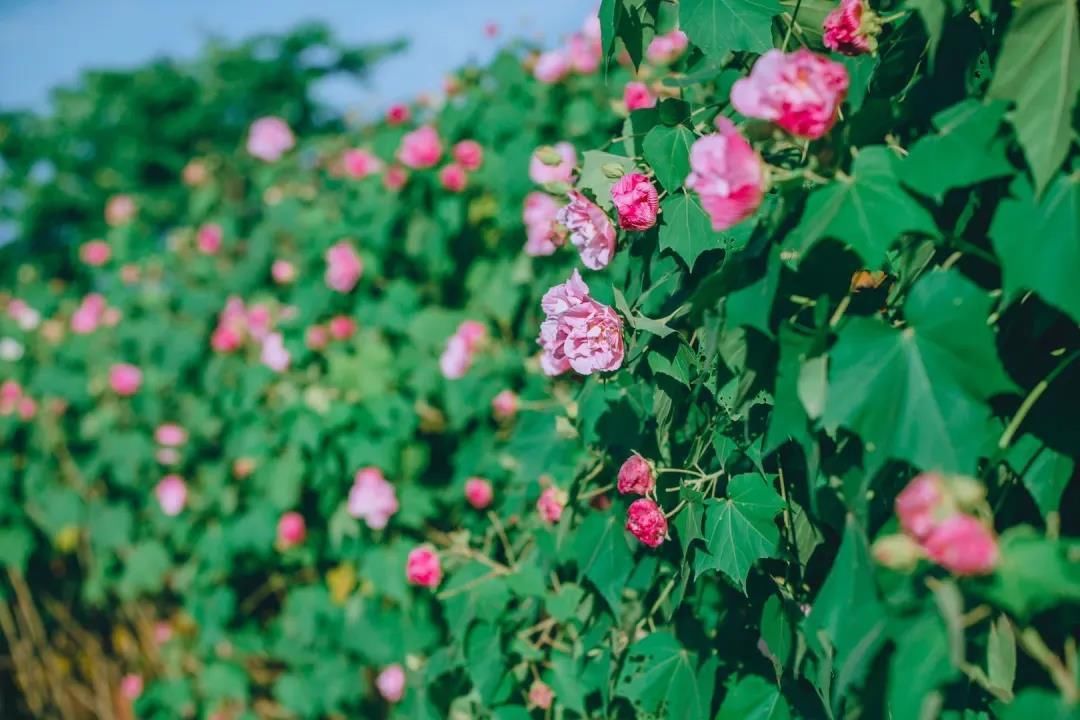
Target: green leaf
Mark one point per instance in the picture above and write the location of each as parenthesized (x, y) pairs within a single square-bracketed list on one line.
[(1043, 34), (920, 394), (484, 659), (687, 230), (667, 150), (659, 671), (867, 210), (722, 26), (919, 666), (776, 632), (1044, 471), (145, 569), (16, 544), (1035, 573), (1039, 242), (1035, 702), (740, 528), (1001, 655), (754, 698), (596, 181), (604, 557), (933, 13)]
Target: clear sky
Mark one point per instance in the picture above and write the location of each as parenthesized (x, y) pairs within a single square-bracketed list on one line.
[(44, 43)]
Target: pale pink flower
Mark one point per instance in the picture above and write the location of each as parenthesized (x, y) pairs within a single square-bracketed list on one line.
[(541, 695), (171, 495), (343, 267), (637, 96), (469, 154), (478, 492), (11, 393), (420, 148), (162, 632), (473, 332), (195, 173), (636, 476), (397, 114), (504, 406), (584, 53), (550, 504), (636, 201), (457, 358), (372, 498), (27, 408), (89, 315), (26, 317), (283, 272), (551, 67), (95, 253), (667, 48), (360, 163), (119, 210), (645, 521), (291, 530), (591, 230), (727, 175), (170, 435), (423, 567), (269, 138), (273, 354), (391, 683), (543, 233), (562, 158), (317, 337), (799, 91), (395, 178), (125, 379), (131, 686), (341, 327), (851, 28), (209, 238), (579, 332), (923, 504), (453, 177), (963, 545), (491, 29)]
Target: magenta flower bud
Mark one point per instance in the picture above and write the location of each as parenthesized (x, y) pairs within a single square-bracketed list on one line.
[(636, 476)]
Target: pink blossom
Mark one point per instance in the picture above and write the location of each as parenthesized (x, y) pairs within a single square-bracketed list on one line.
[(562, 158), (551, 67), (851, 28), (89, 315), (11, 394), (457, 358), (453, 177), (194, 173), (125, 379), (584, 53), (170, 435), (226, 338), (395, 178), (317, 337), (423, 567), (360, 163), (27, 408), (636, 476), (283, 272), (799, 91), (579, 332), (372, 498), (963, 545), (667, 48), (398, 114), (119, 210), (473, 332), (637, 96), (269, 138), (469, 154), (391, 683), (273, 354), (591, 230), (171, 495), (923, 505), (504, 405), (209, 238), (727, 175), (95, 253), (291, 530), (26, 317), (341, 327), (420, 148), (131, 686), (491, 29), (543, 233), (478, 492), (550, 504), (645, 521), (162, 632), (343, 267), (541, 695), (636, 201)]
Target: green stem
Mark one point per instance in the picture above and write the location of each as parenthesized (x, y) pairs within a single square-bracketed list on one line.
[(1031, 399), (791, 25)]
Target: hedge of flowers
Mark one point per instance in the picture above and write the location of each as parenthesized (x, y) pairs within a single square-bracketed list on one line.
[(717, 363)]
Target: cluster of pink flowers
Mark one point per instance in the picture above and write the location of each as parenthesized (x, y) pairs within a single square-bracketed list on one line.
[(125, 379), (667, 48), (238, 322), (171, 495), (423, 567), (95, 253), (462, 346), (931, 510), (727, 174), (269, 138), (92, 313), (169, 437), (343, 267), (372, 498), (591, 230), (339, 327), (852, 28), (579, 332), (581, 54), (800, 91), (636, 201), (644, 518), (15, 401), (544, 235)]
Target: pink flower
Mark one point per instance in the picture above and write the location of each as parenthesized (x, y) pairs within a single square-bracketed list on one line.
[(170, 435), (125, 379), (391, 683), (667, 48), (852, 28), (342, 327), (291, 530), (274, 355), (423, 567), (591, 230), (283, 272), (317, 337), (551, 67), (360, 163), (636, 476), (420, 148), (269, 138), (584, 53), (579, 332), (478, 492), (543, 233), (636, 201), (89, 314), (637, 96), (119, 210), (645, 521), (550, 504), (171, 495), (541, 695), (343, 267), (131, 686), (27, 408), (395, 178), (226, 338), (504, 405), (473, 332), (963, 545), (162, 632), (457, 358), (469, 154), (95, 253), (491, 29), (209, 238), (372, 498), (11, 394), (25, 316), (453, 177), (923, 505), (553, 164), (799, 91), (727, 175), (398, 114)]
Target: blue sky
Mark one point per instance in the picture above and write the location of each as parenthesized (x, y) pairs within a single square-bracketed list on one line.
[(44, 43)]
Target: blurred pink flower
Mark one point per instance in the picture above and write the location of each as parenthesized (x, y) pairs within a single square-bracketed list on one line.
[(171, 495), (269, 138), (543, 233), (291, 530), (209, 238), (457, 358), (667, 48), (469, 154), (637, 96), (541, 695), (341, 327), (283, 272), (119, 210), (170, 435), (360, 163), (851, 28), (398, 114), (478, 492), (553, 164), (372, 498), (799, 91), (584, 53), (551, 67), (504, 406), (395, 178), (453, 177), (420, 148), (423, 567), (963, 545), (125, 379), (317, 337), (550, 504), (727, 175), (95, 253), (923, 504), (343, 267), (131, 686), (274, 355), (391, 683)]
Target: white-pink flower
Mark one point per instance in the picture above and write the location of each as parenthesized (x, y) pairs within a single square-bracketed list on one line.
[(800, 91), (343, 267), (591, 230), (667, 48), (274, 355), (170, 435), (391, 683), (359, 163), (543, 234), (372, 498), (727, 174), (453, 177), (420, 148), (269, 138), (171, 495), (457, 358), (283, 272), (553, 164), (579, 333), (95, 253), (551, 67)]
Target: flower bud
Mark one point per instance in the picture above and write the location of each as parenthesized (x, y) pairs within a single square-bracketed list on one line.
[(896, 552)]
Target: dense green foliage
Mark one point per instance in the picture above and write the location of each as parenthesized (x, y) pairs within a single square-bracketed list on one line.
[(902, 301)]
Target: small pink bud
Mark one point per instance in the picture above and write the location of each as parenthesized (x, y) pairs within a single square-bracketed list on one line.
[(423, 567), (317, 337), (453, 177), (504, 405), (171, 495), (131, 686), (283, 272), (469, 154), (342, 327), (291, 530), (209, 238), (95, 253), (398, 114), (478, 492), (170, 435), (391, 683)]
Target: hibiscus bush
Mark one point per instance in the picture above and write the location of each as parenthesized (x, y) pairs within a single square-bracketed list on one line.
[(717, 363)]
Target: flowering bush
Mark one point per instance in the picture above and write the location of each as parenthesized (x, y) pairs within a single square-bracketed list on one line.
[(686, 370)]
